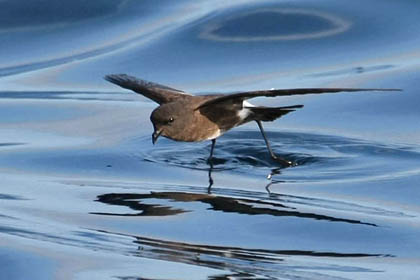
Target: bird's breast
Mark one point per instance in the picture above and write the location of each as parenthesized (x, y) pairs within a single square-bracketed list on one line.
[(194, 128)]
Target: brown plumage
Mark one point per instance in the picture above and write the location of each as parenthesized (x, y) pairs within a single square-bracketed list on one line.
[(185, 117)]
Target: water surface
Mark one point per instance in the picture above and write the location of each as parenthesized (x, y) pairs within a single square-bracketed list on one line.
[(85, 194)]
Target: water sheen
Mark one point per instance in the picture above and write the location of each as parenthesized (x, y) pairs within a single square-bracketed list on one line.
[(85, 194)]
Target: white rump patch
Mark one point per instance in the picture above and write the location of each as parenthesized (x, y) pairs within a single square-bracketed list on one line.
[(244, 112)]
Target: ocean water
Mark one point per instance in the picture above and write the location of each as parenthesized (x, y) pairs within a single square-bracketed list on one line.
[(85, 195)]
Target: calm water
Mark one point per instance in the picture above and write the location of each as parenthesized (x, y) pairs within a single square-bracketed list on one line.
[(85, 195)]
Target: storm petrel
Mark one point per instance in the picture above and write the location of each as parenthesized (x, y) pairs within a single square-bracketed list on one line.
[(185, 117)]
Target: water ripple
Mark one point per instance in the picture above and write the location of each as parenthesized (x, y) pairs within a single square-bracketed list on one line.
[(247, 263), (274, 24), (318, 157)]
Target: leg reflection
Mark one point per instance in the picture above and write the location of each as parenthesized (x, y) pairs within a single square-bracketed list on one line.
[(210, 177), (210, 162), (275, 171), (267, 188)]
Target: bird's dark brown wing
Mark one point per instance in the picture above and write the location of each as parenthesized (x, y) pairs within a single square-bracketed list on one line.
[(158, 93), (239, 97)]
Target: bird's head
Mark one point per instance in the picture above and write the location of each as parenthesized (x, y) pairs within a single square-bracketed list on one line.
[(167, 121)]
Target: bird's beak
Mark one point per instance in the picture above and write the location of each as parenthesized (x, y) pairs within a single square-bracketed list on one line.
[(155, 136)]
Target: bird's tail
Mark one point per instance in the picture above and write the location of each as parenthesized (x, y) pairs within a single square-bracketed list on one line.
[(268, 114)]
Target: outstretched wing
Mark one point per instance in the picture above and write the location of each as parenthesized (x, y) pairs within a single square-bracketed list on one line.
[(239, 97), (158, 93)]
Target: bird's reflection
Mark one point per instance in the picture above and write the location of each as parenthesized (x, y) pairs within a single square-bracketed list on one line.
[(138, 203), (243, 263)]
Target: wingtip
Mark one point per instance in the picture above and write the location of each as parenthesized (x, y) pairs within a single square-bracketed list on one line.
[(110, 77), (114, 77), (386, 89), (122, 80)]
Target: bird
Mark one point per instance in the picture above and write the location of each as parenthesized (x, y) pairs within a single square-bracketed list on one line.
[(182, 116)]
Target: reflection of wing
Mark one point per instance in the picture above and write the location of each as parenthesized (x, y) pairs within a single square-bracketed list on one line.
[(239, 97), (158, 93), (159, 207)]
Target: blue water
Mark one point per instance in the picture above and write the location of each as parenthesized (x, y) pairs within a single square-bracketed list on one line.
[(85, 194)]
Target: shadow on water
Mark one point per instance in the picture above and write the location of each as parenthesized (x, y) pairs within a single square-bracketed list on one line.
[(138, 203), (222, 257), (241, 262), (244, 263)]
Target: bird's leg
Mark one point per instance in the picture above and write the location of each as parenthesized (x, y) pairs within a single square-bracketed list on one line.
[(210, 161), (213, 143), (273, 156)]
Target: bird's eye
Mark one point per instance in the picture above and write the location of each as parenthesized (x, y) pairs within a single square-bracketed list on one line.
[(171, 120)]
